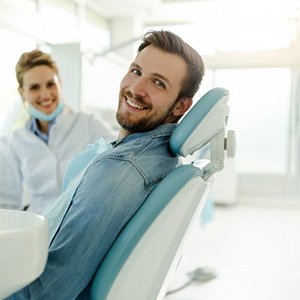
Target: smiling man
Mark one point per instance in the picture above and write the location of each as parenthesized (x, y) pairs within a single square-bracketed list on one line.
[(149, 89), (156, 91)]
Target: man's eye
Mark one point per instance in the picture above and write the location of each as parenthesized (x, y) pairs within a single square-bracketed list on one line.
[(136, 72), (159, 83)]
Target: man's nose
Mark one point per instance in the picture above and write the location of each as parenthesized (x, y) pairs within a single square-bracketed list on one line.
[(139, 87)]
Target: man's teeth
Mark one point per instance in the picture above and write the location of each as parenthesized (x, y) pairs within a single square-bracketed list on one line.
[(134, 105)]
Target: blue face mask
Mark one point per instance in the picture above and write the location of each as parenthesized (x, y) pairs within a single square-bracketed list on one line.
[(44, 117)]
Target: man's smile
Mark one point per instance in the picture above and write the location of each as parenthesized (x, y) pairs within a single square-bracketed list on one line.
[(135, 104)]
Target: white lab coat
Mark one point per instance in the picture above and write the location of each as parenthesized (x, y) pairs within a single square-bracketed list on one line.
[(28, 164)]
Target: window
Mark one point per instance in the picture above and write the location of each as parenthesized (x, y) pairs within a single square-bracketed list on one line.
[(259, 103), (10, 103)]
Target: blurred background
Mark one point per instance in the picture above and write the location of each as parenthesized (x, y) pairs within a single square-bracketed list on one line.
[(252, 48)]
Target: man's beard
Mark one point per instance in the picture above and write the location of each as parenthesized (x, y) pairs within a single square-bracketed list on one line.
[(131, 123), (140, 125)]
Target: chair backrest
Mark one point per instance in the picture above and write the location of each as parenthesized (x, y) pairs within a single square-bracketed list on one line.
[(145, 254)]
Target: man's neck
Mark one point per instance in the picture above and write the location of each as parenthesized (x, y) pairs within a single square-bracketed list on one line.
[(123, 133)]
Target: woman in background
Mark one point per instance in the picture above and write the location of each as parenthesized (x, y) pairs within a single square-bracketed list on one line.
[(33, 158)]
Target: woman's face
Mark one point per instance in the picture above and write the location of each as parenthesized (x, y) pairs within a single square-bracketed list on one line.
[(41, 88)]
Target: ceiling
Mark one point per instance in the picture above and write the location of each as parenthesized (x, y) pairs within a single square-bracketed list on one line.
[(114, 9), (156, 12), (153, 11)]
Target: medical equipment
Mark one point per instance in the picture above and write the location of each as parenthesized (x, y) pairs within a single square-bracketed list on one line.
[(140, 263), (143, 258), (23, 249)]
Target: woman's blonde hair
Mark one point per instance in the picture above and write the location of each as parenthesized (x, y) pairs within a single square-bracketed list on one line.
[(29, 60)]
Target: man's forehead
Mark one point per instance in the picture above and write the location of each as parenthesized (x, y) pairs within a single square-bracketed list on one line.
[(153, 60)]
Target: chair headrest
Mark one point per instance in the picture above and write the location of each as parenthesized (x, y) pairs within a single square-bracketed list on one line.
[(202, 122)]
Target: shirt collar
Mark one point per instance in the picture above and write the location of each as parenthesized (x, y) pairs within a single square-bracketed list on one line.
[(164, 129), (33, 127)]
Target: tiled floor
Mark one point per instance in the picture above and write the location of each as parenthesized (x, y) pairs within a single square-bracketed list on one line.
[(255, 251)]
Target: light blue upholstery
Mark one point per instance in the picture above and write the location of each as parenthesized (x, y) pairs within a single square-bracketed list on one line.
[(135, 229), (185, 177), (80, 162), (191, 121)]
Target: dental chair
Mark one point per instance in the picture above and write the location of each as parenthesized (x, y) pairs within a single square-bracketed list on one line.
[(142, 260)]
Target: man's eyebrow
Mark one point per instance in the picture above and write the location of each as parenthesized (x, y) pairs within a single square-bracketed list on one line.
[(157, 75), (135, 65), (161, 77)]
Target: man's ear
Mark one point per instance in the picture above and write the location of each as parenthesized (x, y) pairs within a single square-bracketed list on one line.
[(182, 105)]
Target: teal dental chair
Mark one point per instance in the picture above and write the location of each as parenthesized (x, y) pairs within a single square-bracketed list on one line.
[(142, 260)]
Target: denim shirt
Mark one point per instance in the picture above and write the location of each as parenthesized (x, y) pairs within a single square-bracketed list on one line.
[(110, 191)]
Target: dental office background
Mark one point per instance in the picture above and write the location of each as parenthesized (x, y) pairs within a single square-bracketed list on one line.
[(251, 48)]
